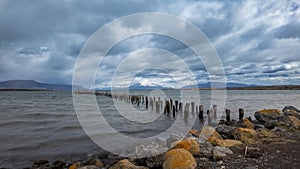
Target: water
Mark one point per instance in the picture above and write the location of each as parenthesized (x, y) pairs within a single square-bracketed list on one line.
[(44, 125)]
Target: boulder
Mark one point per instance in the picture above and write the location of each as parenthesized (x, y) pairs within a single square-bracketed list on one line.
[(226, 131), (268, 115), (227, 143), (180, 159), (75, 165), (291, 111), (125, 164), (95, 162), (219, 153), (247, 124), (245, 135), (295, 122), (173, 138), (209, 134), (58, 164), (89, 167), (148, 150), (206, 149), (190, 145), (155, 161)]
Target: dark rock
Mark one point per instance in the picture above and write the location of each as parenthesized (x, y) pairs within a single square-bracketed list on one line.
[(95, 162), (270, 116), (291, 111), (58, 164), (225, 131), (41, 162), (155, 161)]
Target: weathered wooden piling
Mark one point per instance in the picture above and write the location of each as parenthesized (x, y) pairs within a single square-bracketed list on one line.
[(241, 113), (180, 107), (193, 106), (209, 117), (227, 111), (176, 105), (147, 102), (215, 111), (171, 103), (167, 107), (173, 108), (201, 112)]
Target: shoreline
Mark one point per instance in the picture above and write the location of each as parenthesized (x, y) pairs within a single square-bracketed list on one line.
[(271, 142)]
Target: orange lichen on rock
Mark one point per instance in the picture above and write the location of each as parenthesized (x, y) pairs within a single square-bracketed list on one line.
[(210, 134), (195, 133), (248, 136), (190, 145), (74, 166), (179, 159), (227, 143), (125, 164), (248, 124)]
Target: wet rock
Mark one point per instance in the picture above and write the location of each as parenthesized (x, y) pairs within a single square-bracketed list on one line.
[(228, 143), (291, 111), (179, 159), (89, 167), (219, 153), (248, 136), (148, 150), (75, 165), (269, 116), (209, 134), (190, 145), (41, 162), (95, 162), (173, 138), (58, 164), (125, 164), (226, 131), (206, 149), (248, 124), (194, 133), (155, 161), (295, 122)]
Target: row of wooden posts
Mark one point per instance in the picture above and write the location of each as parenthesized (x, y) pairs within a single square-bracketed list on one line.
[(170, 106)]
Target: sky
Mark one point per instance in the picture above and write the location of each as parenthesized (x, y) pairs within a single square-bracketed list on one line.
[(258, 42)]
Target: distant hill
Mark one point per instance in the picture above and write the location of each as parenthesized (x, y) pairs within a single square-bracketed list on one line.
[(33, 85), (218, 85)]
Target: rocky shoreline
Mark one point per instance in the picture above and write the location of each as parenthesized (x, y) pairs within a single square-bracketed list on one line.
[(270, 141)]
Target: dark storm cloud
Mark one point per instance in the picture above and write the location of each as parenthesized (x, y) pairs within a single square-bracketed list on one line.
[(256, 40)]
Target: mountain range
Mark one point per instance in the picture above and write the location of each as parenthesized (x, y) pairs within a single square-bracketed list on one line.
[(33, 85), (218, 85)]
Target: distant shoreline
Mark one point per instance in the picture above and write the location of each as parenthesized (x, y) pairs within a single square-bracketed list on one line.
[(27, 90), (284, 87)]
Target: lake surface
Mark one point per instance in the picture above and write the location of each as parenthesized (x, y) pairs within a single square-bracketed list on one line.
[(44, 125)]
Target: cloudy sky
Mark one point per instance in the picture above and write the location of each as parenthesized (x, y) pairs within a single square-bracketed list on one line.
[(258, 42)]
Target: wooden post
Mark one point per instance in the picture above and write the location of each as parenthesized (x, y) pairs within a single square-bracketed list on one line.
[(227, 115), (167, 107), (197, 110), (171, 103), (193, 106), (147, 102), (176, 105), (209, 117), (173, 111), (215, 111), (201, 112), (180, 107), (241, 113)]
